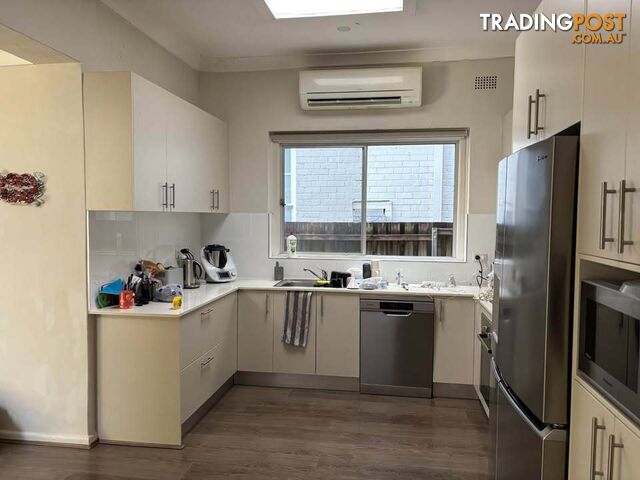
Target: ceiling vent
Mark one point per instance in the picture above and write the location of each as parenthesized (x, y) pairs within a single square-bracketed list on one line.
[(351, 88), (486, 82)]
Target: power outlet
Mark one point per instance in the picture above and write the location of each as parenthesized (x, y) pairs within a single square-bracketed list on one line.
[(483, 257)]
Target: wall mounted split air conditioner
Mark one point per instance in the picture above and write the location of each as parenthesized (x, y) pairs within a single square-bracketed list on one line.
[(389, 87)]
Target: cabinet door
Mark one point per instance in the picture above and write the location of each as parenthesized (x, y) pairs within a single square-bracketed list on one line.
[(286, 358), (454, 340), (528, 58), (255, 332), (561, 71), (632, 171), (626, 460), (150, 113), (338, 335), (219, 161), (603, 136), (582, 442), (187, 158), (226, 314)]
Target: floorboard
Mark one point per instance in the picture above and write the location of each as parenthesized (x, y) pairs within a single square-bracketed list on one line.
[(288, 434)]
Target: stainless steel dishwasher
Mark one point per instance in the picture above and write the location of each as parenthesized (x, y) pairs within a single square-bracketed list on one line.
[(396, 346)]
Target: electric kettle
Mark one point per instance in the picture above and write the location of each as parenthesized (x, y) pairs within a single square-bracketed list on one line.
[(192, 270)]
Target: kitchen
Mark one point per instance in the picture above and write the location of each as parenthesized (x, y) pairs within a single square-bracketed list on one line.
[(306, 274)]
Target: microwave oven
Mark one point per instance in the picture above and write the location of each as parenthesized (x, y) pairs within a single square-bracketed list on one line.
[(609, 342)]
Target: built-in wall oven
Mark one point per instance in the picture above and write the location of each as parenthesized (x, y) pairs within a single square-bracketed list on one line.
[(609, 341), (485, 341)]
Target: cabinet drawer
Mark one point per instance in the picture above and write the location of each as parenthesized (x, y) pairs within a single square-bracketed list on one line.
[(199, 381), (193, 329)]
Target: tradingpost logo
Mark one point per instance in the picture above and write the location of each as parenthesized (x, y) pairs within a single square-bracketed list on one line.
[(592, 28)]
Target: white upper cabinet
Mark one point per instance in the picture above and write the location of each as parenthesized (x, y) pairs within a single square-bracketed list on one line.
[(608, 216), (631, 211), (148, 150), (526, 80), (547, 91)]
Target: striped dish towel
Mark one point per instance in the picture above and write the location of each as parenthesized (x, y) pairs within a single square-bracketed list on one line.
[(297, 317)]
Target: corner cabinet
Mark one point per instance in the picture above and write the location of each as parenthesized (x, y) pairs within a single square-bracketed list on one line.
[(547, 91), (149, 150), (602, 443)]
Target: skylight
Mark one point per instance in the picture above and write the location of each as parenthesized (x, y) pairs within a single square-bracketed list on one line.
[(327, 8)]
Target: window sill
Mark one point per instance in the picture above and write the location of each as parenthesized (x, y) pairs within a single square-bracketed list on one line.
[(366, 258)]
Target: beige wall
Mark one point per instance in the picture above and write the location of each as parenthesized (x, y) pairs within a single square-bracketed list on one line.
[(256, 103), (99, 39), (43, 320)]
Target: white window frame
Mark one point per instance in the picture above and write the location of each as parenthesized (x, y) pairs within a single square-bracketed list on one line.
[(363, 139)]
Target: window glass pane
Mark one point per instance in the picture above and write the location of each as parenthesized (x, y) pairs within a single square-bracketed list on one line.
[(411, 199), (322, 195)]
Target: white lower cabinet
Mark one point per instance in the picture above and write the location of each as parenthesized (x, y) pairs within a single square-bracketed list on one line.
[(338, 335), (153, 373), (255, 332), (333, 346), (602, 444), (454, 341), (286, 358), (199, 381)]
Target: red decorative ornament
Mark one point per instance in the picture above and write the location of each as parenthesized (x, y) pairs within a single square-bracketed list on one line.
[(22, 188)]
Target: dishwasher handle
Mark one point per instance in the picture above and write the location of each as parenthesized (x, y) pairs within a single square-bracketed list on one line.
[(396, 313)]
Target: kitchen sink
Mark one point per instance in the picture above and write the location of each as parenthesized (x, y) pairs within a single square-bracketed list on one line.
[(303, 283)]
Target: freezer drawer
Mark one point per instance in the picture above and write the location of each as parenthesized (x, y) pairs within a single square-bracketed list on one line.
[(525, 450)]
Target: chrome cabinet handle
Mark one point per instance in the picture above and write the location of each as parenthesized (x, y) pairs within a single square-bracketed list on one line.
[(206, 362), (594, 445), (213, 199), (612, 451), (165, 195), (529, 131), (206, 313), (267, 306), (173, 195), (537, 126), (604, 193), (217, 199), (622, 207)]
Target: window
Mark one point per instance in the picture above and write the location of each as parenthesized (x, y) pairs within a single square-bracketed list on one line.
[(383, 197)]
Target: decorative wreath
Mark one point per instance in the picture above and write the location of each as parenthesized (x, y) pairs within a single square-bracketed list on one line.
[(22, 188)]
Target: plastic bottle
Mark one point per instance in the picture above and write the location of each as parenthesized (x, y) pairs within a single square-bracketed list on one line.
[(292, 245)]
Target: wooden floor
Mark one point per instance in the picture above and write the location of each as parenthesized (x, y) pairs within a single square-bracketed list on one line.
[(268, 433)]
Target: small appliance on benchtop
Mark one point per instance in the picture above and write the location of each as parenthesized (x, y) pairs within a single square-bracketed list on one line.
[(218, 264)]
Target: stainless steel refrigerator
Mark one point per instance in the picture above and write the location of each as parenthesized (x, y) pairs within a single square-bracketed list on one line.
[(534, 272)]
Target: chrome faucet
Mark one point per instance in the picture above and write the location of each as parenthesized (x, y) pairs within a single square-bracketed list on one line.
[(324, 276), (399, 276)]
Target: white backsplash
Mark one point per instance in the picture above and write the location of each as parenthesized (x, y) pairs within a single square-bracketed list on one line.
[(117, 240), (247, 235)]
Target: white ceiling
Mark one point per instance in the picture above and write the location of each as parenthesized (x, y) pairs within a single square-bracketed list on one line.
[(231, 35)]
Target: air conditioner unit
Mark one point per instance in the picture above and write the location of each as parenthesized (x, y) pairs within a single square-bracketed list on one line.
[(394, 87)]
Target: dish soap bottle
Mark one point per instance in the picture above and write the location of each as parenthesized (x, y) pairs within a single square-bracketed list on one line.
[(292, 245)]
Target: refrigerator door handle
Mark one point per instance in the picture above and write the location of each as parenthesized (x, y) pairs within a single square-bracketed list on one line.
[(544, 433)]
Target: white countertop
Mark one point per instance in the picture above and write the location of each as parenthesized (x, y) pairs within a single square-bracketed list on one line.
[(207, 293)]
